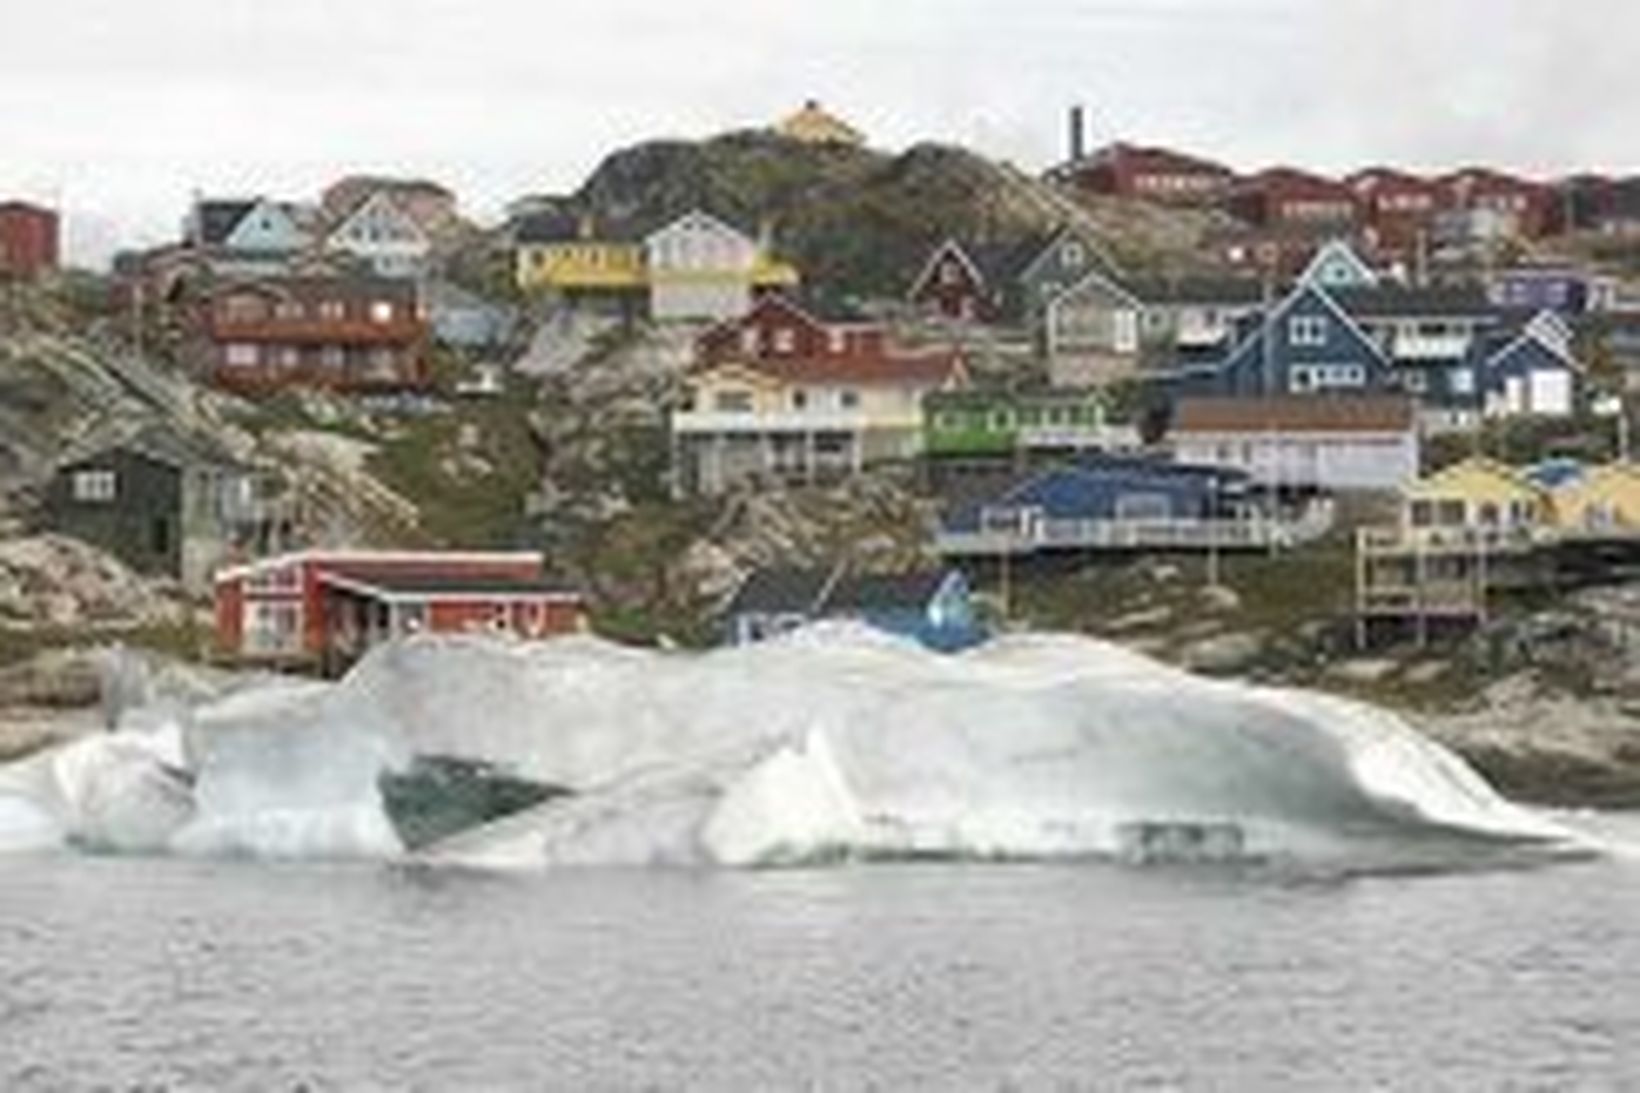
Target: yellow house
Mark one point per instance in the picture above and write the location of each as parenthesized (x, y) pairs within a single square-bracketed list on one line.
[(1600, 499), (804, 419), (813, 125), (1476, 493), (566, 254)]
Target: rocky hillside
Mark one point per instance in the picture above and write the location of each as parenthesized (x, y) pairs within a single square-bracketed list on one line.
[(861, 222)]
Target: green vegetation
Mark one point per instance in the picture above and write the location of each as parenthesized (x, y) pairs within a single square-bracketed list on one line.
[(470, 470)]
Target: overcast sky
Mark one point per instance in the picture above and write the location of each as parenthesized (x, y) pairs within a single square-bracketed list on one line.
[(119, 109)]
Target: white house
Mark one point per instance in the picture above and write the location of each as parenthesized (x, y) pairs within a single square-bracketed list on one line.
[(1329, 443), (702, 269), (384, 235)]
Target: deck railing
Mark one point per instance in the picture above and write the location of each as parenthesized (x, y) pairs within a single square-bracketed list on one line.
[(1047, 534)]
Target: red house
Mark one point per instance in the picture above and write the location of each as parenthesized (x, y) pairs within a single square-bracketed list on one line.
[(1156, 174), (30, 239), (343, 333), (1518, 206), (779, 328), (1397, 208), (326, 608), (1286, 198)]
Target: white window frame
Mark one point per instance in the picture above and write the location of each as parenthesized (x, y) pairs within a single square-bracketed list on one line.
[(1307, 330), (785, 340), (95, 487), (242, 355)]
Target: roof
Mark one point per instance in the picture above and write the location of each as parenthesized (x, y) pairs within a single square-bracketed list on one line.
[(338, 287), (1552, 474), (1192, 289), (344, 559), (1155, 157), (888, 369), (163, 444), (1296, 413), (388, 585), (1496, 470), (790, 591), (1390, 300), (216, 220), (567, 227)]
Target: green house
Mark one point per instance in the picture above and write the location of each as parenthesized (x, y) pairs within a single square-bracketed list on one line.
[(1001, 423)]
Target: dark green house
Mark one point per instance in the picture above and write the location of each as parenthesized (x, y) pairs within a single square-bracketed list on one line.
[(164, 503), (978, 423)]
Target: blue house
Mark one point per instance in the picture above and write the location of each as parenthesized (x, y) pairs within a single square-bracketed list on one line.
[(1100, 488), (1532, 373), (1308, 344), (932, 607)]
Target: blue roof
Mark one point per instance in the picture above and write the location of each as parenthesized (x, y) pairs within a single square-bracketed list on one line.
[(1554, 473)]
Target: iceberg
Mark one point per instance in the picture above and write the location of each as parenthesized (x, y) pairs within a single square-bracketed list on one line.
[(830, 744)]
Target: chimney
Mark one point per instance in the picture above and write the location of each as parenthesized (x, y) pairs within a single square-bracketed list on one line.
[(1079, 146)]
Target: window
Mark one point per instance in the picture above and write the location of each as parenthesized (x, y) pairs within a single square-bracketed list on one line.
[(1074, 255), (1415, 381), (333, 357), (290, 357), (951, 273), (733, 402), (748, 341), (837, 340), (241, 355), (1461, 381), (849, 400), (381, 312), (1307, 330), (800, 400), (501, 618), (94, 486), (332, 310), (244, 309), (272, 628), (785, 340), (289, 310)]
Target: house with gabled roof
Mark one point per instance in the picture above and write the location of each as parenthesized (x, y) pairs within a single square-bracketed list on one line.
[(785, 396), (1533, 373), (256, 225), (1293, 442), (382, 234), (1062, 258), (580, 258), (1308, 344), (1104, 325), (971, 282), (165, 501), (1336, 264), (701, 268)]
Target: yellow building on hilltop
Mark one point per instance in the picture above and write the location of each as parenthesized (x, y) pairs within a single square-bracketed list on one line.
[(814, 125)]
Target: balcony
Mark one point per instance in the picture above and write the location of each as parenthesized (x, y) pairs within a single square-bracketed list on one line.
[(1430, 347), (685, 422), (317, 331), (1001, 536)]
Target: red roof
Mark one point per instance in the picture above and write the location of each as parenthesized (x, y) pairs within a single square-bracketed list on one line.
[(925, 369), (1296, 414)]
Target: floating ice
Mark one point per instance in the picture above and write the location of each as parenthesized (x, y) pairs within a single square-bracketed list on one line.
[(832, 743)]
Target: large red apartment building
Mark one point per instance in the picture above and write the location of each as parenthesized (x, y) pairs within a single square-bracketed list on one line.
[(342, 333)]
